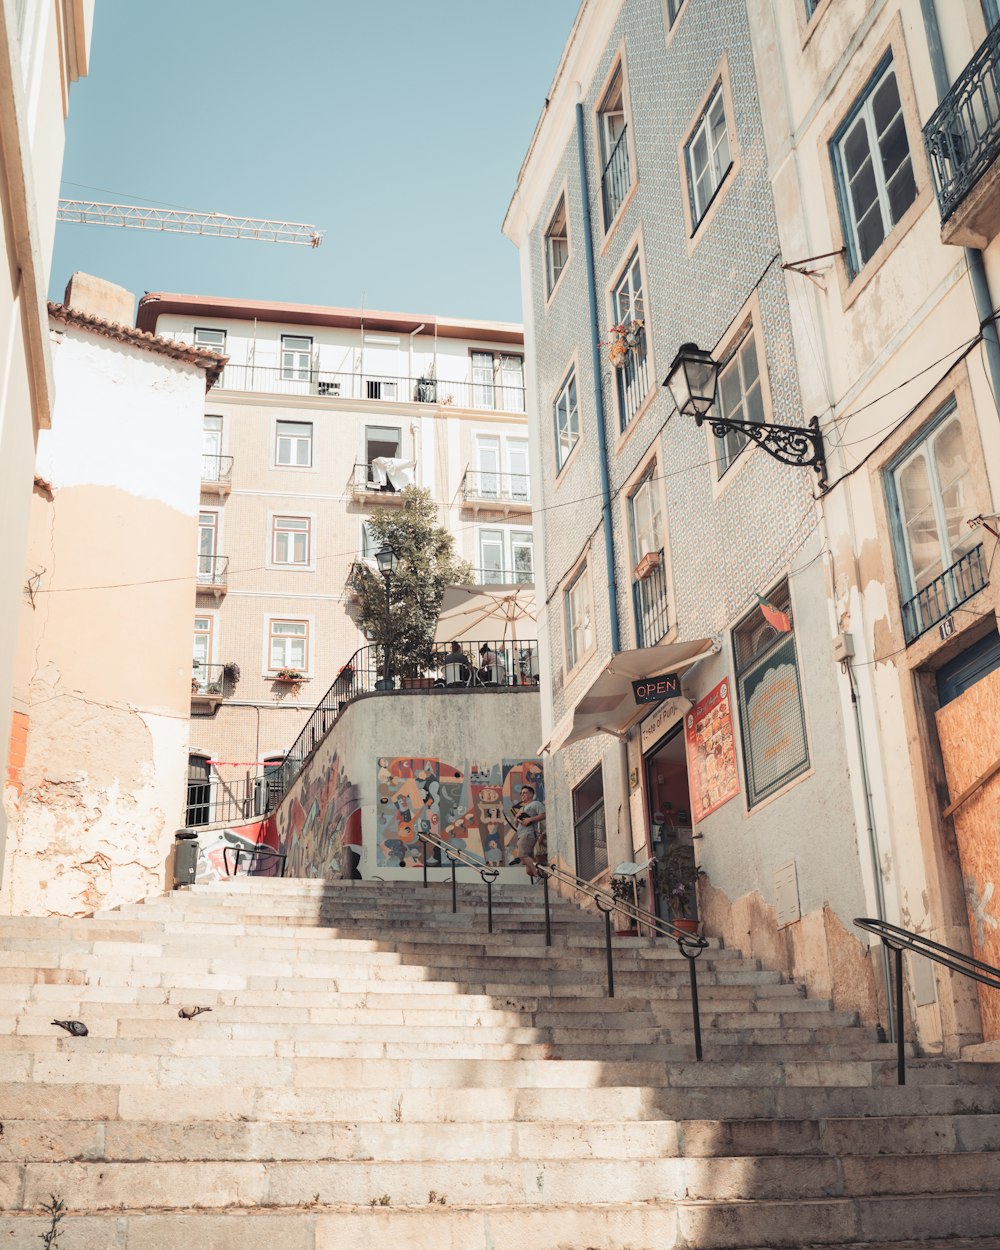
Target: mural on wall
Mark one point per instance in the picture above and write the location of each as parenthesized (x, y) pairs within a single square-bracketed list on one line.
[(213, 844), (472, 806), (319, 824)]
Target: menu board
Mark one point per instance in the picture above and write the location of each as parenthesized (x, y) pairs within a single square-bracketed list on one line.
[(713, 778)]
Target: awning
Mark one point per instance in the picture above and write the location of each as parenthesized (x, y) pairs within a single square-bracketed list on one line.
[(609, 706)]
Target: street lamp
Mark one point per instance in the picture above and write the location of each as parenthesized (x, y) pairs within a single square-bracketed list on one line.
[(387, 561), (693, 381)]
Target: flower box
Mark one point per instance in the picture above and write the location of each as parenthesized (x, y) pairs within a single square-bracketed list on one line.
[(649, 562)]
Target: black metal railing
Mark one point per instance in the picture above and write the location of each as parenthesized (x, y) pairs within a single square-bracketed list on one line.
[(616, 178), (962, 136), (457, 856), (482, 486), (503, 577), (216, 800), (261, 861), (389, 388), (938, 599), (208, 680), (649, 599), (632, 381), (451, 666), (899, 940), (216, 470), (690, 945), (213, 572)]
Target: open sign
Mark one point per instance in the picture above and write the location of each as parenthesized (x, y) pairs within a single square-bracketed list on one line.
[(653, 689)]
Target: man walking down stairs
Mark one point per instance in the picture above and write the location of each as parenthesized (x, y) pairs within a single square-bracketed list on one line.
[(367, 1070)]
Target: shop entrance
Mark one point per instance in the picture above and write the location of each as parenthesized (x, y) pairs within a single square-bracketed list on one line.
[(668, 803)]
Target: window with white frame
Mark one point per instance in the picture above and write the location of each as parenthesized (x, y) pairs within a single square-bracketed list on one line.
[(871, 154), (369, 543), (649, 578), (293, 444), (296, 357), (506, 556), (382, 442), (208, 546), (739, 398), (616, 173), (566, 415), (497, 381), (578, 618), (931, 500), (291, 540), (556, 246), (203, 632), (288, 645), (211, 448), (644, 514), (629, 305), (211, 340), (708, 154), (772, 714)]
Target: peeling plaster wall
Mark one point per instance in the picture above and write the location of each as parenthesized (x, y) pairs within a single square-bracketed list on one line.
[(106, 654)]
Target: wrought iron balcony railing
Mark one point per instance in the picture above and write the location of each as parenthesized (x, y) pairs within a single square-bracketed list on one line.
[(213, 572), (366, 482), (944, 594), (633, 382), (493, 396), (962, 136), (504, 577), (483, 486), (216, 470), (649, 599), (208, 681), (616, 178)]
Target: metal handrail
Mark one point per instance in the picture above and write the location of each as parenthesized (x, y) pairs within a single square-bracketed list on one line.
[(690, 944), (252, 853), (457, 856), (898, 940)]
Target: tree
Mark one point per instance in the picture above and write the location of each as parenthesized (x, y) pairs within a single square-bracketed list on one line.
[(427, 563)]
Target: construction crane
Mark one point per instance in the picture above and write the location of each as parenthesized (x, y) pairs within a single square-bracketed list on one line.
[(183, 221)]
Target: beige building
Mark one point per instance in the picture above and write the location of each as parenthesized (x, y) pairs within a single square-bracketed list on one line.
[(883, 132), (318, 412), (44, 48), (103, 662)]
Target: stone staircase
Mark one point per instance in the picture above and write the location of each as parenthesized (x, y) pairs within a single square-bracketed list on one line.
[(376, 1072)]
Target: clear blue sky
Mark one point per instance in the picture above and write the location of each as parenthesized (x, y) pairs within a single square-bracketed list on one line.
[(396, 128)]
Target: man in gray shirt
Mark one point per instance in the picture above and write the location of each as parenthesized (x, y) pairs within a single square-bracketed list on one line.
[(530, 827)]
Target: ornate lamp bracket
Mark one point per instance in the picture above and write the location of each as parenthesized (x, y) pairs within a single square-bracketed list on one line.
[(791, 444)]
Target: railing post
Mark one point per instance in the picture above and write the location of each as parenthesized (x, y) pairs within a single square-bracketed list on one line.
[(489, 906), (607, 945), (423, 843), (454, 884), (695, 1012), (900, 1044), (548, 918)]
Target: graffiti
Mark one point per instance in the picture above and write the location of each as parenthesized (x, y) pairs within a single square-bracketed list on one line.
[(213, 844), (472, 807), (319, 824)]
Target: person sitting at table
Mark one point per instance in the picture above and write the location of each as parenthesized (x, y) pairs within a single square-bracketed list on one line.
[(491, 666), (456, 667)]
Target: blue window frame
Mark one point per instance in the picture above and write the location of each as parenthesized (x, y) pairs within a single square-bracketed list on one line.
[(871, 159)]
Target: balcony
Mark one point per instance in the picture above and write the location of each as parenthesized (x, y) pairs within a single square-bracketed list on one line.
[(208, 683), (365, 486), (616, 178), (649, 600), (213, 575), (944, 594), (503, 577), (496, 492), (962, 139), (216, 475), (378, 387)]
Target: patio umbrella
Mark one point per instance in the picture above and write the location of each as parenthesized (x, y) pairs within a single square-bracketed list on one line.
[(485, 614)]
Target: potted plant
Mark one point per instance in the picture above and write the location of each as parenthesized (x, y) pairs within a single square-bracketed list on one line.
[(622, 892), (677, 882), (290, 677), (624, 338)]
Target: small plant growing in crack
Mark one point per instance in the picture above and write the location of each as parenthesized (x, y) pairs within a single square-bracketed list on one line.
[(55, 1209), (384, 1201), (434, 1197)]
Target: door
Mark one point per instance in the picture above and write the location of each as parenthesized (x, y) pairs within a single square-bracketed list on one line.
[(491, 557), (517, 469), (523, 553), (482, 380), (969, 732), (488, 459), (512, 381), (208, 537), (211, 460), (199, 793)]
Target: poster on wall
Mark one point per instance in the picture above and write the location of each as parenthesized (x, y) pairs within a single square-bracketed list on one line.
[(470, 805), (711, 752)]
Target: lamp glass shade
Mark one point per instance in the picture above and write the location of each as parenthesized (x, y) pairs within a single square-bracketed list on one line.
[(387, 560), (693, 380)]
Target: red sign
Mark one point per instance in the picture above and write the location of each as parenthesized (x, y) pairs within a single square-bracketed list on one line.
[(711, 752)]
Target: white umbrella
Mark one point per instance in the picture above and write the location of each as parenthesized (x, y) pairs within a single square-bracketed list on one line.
[(483, 614)]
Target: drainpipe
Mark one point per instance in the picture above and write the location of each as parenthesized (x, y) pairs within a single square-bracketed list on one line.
[(595, 337), (973, 255)]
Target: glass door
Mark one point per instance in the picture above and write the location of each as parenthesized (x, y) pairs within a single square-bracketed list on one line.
[(512, 381), (523, 556), (482, 380), (211, 446), (208, 536), (488, 460), (517, 469), (491, 557)]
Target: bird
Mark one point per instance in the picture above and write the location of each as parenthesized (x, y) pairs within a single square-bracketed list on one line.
[(76, 1027), (189, 1013)]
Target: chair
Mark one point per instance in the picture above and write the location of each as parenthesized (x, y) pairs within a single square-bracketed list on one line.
[(457, 672)]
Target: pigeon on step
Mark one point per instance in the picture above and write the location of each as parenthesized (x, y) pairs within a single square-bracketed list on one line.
[(189, 1013), (76, 1027)]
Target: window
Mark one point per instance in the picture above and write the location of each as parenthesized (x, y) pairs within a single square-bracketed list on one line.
[(288, 645), (578, 618), (991, 12), (566, 414), (644, 515), (296, 358), (875, 174), (208, 546), (203, 640), (522, 549), (629, 304), (293, 444), (506, 556), (709, 155), (498, 381), (211, 447), (291, 540), (930, 498), (589, 828), (772, 717), (740, 398), (811, 7), (671, 8), (382, 442), (369, 543), (649, 584), (556, 246), (616, 174), (211, 340), (491, 557)]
